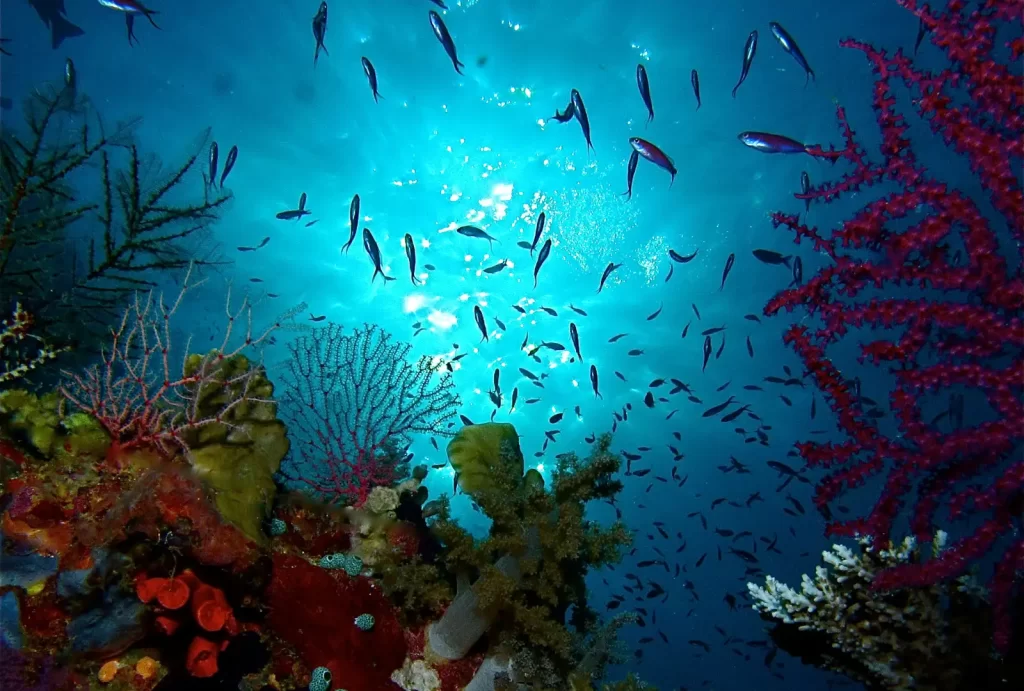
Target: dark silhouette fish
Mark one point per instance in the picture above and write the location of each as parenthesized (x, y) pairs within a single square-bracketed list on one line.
[(370, 245), (790, 46), (537, 232), (574, 336), (655, 155), (707, 352), (410, 253), (644, 84), (211, 178), (695, 83), (131, 7), (634, 158), (481, 323), (474, 232), (676, 257), (580, 112), (54, 16), (229, 164), (371, 76), (565, 116), (769, 143), (770, 257), (295, 214), (798, 272), (319, 31), (612, 266), (805, 189), (749, 50), (441, 32), (593, 381), (353, 222), (922, 31), (541, 258)]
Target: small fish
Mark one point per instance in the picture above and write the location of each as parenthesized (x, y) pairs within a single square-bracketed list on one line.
[(577, 310), (353, 222), (497, 267), (371, 76), (649, 400), (671, 270), (593, 381), (441, 32), (319, 31), (373, 250), (565, 116), (580, 112), (655, 314), (574, 336), (805, 189), (295, 214), (696, 311), (616, 337), (557, 417), (634, 158), (211, 178), (645, 90), (715, 410), (707, 352), (636, 352), (410, 253), (676, 257), (770, 257), (790, 46), (612, 266), (229, 164), (537, 232), (515, 397), (769, 143), (728, 268), (750, 347), (481, 323), (798, 272), (749, 50), (686, 329), (474, 232), (542, 257), (655, 155), (130, 7), (313, 318), (695, 83)]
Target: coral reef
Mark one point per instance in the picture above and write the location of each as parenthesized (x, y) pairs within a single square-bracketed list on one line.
[(961, 339), (915, 637)]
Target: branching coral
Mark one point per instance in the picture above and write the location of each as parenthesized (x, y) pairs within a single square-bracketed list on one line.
[(137, 224), (920, 637), (353, 402), (21, 350)]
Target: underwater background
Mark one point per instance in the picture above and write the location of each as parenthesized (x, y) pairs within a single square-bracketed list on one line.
[(442, 150)]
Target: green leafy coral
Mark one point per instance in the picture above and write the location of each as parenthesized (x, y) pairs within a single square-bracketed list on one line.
[(531, 568)]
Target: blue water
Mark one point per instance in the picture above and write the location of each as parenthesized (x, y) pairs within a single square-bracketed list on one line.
[(440, 150)]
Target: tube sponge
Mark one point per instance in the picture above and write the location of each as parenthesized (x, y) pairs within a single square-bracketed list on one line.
[(463, 623)]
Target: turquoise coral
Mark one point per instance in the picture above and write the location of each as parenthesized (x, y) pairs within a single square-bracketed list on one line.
[(365, 622)]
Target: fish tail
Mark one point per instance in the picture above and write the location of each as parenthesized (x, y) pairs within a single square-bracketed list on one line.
[(149, 16), (628, 194), (457, 66)]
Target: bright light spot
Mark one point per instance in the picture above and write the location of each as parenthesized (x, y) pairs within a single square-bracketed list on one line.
[(463, 297), (442, 320), (396, 183), (486, 202), (456, 196), (469, 257), (414, 302), (425, 243), (475, 216), (515, 27), (540, 467), (529, 93), (575, 383), (502, 191)]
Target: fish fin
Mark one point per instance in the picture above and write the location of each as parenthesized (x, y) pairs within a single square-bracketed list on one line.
[(457, 66), (61, 28), (149, 16), (388, 278)]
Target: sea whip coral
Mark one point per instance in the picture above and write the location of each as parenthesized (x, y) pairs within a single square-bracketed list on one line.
[(965, 333)]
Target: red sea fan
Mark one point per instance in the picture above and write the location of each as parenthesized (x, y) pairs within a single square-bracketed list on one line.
[(962, 333)]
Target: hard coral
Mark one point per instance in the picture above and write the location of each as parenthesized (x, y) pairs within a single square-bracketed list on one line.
[(314, 611), (914, 637)]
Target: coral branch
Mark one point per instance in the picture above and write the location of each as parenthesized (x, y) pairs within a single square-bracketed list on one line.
[(961, 332), (355, 401)]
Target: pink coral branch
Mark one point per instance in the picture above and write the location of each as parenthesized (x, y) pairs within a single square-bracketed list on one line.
[(972, 338)]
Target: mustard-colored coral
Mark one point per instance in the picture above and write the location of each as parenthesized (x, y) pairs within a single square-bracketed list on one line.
[(47, 431), (477, 448), (382, 500), (238, 453)]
